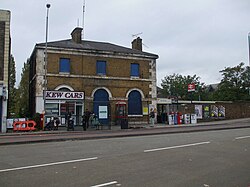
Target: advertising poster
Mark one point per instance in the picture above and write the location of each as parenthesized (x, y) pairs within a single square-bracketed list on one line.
[(206, 112), (214, 111), (145, 111), (198, 111), (103, 112), (10, 123), (222, 111), (12, 120)]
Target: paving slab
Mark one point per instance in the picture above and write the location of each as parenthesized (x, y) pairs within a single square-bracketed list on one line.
[(142, 130)]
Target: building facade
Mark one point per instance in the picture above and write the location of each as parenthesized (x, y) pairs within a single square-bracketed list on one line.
[(5, 44), (91, 75)]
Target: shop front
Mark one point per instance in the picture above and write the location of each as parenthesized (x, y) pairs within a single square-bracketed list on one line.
[(163, 109), (62, 103)]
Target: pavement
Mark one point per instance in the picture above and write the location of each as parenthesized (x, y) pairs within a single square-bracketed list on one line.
[(115, 131)]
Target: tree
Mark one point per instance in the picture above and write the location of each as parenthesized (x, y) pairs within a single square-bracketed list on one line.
[(235, 84), (12, 89), (176, 86), (22, 107)]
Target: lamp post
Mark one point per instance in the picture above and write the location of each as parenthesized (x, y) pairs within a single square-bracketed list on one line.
[(46, 59), (249, 48)]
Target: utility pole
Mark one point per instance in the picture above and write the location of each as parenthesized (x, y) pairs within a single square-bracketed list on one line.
[(46, 60)]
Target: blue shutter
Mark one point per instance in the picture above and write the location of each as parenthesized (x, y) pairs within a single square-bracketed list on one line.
[(64, 65), (134, 71), (134, 103), (101, 67)]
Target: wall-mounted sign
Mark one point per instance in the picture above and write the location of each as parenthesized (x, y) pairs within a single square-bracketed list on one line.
[(164, 101), (64, 95), (103, 112)]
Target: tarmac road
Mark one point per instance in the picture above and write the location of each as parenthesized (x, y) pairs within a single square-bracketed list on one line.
[(202, 159)]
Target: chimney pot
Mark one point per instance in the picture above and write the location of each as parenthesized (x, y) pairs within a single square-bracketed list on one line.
[(76, 35), (137, 44)]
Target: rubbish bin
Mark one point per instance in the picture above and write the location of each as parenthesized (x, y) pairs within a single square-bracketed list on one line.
[(187, 118), (193, 119), (124, 124), (171, 119)]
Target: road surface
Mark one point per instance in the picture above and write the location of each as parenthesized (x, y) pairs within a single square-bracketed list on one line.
[(202, 159)]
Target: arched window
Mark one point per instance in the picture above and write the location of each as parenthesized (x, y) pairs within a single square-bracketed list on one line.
[(134, 103)]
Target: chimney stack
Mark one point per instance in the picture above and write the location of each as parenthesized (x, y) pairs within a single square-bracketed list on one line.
[(76, 35), (137, 44)]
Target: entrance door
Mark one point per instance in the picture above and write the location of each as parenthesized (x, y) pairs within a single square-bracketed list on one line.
[(101, 103), (78, 114)]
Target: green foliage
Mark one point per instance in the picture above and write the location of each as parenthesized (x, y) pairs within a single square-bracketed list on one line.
[(22, 94), (176, 86), (12, 89), (235, 84)]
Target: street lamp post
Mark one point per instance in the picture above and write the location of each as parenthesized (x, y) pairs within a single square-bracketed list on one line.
[(46, 59), (249, 48)]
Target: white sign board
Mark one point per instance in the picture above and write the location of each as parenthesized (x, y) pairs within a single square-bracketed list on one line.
[(103, 112), (64, 95)]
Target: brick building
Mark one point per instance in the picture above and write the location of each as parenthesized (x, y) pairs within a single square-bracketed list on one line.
[(92, 75), (4, 65)]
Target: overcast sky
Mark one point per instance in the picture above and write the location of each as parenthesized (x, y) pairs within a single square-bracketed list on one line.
[(191, 37)]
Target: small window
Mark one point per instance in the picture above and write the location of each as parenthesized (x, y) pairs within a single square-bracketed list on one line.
[(64, 65), (134, 71), (101, 67)]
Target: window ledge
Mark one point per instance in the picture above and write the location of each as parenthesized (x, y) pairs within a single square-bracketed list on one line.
[(135, 115), (134, 77), (64, 73)]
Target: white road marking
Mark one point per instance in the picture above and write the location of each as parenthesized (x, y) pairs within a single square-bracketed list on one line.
[(242, 137), (174, 147), (49, 164), (105, 184)]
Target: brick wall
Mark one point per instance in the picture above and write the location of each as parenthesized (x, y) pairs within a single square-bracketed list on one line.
[(233, 110)]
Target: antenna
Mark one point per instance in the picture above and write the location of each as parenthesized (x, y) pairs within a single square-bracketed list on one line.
[(83, 12), (136, 35)]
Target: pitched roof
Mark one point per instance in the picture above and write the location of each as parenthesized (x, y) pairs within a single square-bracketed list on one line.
[(96, 46)]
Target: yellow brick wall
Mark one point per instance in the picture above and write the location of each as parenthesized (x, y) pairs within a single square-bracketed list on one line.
[(82, 66), (117, 80)]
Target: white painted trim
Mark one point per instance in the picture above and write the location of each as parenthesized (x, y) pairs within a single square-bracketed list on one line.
[(97, 77), (64, 86), (98, 88), (98, 53), (135, 89)]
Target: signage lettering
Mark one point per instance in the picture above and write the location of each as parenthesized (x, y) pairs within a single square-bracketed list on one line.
[(64, 95)]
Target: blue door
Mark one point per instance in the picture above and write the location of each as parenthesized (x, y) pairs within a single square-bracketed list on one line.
[(134, 103), (101, 106)]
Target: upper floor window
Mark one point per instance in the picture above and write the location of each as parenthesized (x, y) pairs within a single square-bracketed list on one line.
[(64, 65), (134, 70), (101, 67)]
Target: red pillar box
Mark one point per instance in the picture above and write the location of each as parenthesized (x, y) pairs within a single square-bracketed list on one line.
[(41, 120), (179, 118)]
